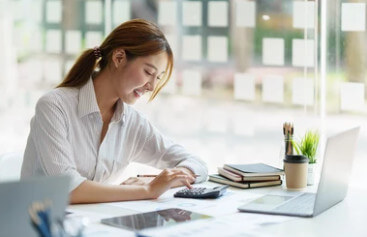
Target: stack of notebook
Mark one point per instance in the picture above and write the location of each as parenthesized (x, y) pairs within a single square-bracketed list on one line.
[(248, 175)]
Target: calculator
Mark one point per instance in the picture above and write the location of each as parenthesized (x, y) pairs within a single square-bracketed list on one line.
[(201, 192)]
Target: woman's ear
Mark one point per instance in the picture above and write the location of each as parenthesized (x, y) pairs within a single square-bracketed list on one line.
[(119, 57)]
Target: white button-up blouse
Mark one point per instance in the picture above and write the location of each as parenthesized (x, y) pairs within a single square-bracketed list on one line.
[(65, 139)]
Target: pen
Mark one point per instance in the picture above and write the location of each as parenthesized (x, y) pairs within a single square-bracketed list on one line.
[(154, 175)]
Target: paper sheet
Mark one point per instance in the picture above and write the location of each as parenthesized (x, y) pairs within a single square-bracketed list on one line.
[(224, 205), (163, 202), (231, 225), (226, 218), (93, 226), (228, 203)]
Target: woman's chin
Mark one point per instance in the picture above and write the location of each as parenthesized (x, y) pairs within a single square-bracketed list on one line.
[(130, 101)]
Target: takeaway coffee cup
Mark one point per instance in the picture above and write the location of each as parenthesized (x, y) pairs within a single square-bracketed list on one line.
[(295, 168)]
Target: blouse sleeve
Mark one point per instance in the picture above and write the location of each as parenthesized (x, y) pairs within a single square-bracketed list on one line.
[(51, 141), (155, 149)]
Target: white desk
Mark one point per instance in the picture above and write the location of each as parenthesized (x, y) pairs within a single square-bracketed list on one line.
[(348, 218)]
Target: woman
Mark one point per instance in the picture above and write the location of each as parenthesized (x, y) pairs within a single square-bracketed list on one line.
[(86, 129)]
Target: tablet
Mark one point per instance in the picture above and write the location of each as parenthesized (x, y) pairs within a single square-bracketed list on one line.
[(166, 217)]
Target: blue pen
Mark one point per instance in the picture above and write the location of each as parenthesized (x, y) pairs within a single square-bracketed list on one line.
[(43, 227)]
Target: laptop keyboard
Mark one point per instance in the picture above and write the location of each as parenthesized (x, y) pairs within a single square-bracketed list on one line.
[(301, 204)]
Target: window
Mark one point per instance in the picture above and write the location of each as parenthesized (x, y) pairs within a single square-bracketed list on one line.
[(242, 67)]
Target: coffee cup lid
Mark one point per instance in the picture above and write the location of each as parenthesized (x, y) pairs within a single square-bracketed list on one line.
[(295, 159)]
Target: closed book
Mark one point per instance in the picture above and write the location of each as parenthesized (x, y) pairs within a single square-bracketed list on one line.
[(230, 175), (223, 180), (239, 178), (257, 169)]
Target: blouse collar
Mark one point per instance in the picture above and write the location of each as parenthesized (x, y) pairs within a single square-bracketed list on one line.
[(88, 103)]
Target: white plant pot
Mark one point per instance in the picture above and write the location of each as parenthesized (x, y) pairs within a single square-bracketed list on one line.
[(311, 174)]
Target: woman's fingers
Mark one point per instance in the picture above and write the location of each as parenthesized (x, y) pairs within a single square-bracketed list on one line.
[(187, 184), (183, 178), (185, 171), (167, 179)]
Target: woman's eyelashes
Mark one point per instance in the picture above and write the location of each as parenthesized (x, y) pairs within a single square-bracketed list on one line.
[(151, 74)]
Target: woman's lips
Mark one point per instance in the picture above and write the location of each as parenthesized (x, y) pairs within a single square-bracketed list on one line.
[(138, 93)]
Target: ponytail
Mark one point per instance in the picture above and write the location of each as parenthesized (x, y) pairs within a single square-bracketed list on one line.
[(80, 73)]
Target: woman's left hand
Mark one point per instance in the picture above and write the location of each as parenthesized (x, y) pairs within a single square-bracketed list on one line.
[(147, 180)]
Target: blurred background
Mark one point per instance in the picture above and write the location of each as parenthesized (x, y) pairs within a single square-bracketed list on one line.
[(242, 69)]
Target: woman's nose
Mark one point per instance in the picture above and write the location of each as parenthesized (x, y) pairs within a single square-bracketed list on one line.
[(150, 85)]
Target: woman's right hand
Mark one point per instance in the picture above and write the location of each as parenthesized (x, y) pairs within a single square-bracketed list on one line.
[(166, 179)]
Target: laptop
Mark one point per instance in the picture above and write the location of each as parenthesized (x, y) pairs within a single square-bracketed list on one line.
[(17, 196), (333, 185)]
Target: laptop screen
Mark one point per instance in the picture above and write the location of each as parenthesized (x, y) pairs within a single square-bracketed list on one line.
[(17, 197)]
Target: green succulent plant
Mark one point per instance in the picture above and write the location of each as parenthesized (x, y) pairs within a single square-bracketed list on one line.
[(308, 145)]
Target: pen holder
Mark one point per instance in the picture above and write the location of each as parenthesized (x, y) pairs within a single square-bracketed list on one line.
[(286, 148), (295, 168)]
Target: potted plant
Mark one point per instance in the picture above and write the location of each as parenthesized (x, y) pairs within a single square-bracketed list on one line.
[(307, 146)]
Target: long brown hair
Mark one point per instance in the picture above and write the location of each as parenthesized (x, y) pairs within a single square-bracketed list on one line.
[(137, 37)]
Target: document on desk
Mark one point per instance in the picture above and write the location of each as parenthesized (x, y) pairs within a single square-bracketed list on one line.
[(224, 205), (163, 202), (239, 224), (226, 219)]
